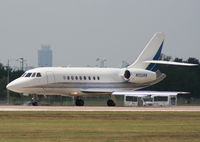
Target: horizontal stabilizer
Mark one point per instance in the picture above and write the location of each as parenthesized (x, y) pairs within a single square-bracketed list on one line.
[(146, 93), (170, 63)]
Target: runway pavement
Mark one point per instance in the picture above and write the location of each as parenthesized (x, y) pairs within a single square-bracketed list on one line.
[(97, 108)]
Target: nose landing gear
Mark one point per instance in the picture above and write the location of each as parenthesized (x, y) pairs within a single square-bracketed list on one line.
[(79, 102)]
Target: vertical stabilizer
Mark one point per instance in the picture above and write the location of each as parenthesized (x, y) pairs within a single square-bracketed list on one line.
[(152, 51)]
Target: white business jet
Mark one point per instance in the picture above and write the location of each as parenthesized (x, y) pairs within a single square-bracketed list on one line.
[(91, 81)]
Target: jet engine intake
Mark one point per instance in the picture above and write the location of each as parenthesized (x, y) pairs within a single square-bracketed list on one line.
[(139, 76)]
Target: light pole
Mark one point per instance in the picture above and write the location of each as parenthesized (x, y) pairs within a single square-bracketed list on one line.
[(101, 62), (8, 80)]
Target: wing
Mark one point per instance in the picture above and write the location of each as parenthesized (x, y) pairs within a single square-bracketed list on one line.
[(147, 93), (131, 93)]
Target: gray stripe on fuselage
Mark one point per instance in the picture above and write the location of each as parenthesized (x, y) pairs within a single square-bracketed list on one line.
[(84, 85)]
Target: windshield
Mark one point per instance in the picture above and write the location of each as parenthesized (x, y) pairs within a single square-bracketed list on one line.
[(38, 75), (23, 75), (33, 75), (28, 74)]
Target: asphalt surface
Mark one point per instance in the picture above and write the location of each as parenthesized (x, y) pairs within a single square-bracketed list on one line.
[(97, 108)]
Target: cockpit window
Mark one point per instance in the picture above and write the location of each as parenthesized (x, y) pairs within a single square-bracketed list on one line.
[(33, 75), (38, 75), (23, 75), (28, 74)]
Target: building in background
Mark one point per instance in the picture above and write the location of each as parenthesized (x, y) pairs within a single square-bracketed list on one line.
[(45, 56)]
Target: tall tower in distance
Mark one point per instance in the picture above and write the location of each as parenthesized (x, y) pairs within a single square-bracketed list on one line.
[(45, 56)]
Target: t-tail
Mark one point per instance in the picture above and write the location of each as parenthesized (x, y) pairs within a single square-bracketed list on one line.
[(145, 68), (152, 51), (149, 57), (142, 72)]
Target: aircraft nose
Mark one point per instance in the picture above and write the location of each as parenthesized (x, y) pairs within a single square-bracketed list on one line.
[(13, 86), (8, 86)]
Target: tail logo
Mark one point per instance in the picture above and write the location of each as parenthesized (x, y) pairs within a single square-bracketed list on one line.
[(154, 67)]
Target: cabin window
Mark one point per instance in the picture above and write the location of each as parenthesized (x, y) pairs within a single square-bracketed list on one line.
[(98, 77), (94, 78), (68, 78), (76, 77), (80, 77), (84, 77), (33, 75), (28, 74), (72, 77), (89, 77), (38, 75)]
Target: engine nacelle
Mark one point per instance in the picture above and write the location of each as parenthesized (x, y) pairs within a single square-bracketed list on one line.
[(139, 75)]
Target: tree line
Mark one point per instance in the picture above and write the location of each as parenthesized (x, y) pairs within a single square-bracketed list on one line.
[(6, 71), (180, 78)]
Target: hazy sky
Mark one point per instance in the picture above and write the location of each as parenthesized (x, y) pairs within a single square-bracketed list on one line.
[(79, 31)]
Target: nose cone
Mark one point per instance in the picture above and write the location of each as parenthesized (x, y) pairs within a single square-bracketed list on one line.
[(13, 86), (9, 87)]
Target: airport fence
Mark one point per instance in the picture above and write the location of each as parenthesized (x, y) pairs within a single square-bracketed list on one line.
[(89, 101)]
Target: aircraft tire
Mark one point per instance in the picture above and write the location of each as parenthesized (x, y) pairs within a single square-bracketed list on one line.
[(34, 103), (111, 103)]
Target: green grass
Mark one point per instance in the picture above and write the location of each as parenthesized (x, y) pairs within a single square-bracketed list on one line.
[(100, 126)]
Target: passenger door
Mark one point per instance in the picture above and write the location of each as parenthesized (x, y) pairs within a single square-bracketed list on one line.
[(50, 78)]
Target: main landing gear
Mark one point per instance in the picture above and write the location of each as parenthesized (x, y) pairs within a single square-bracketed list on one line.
[(34, 100), (79, 102), (112, 101)]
